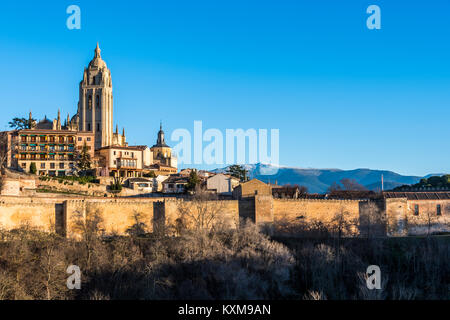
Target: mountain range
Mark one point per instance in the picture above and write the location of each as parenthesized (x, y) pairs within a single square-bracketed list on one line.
[(319, 180)]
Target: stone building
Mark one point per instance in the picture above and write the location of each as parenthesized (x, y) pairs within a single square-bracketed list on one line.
[(162, 153), (121, 161), (49, 145), (52, 144), (95, 105), (252, 188)]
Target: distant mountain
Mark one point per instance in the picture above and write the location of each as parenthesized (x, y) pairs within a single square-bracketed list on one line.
[(319, 180)]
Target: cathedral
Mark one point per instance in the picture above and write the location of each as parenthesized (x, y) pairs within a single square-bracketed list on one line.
[(95, 104), (51, 144)]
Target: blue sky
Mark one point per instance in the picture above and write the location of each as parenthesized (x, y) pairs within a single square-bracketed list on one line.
[(342, 96)]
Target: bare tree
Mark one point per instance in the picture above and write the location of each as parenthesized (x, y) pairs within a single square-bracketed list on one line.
[(51, 263), (371, 219), (88, 225), (431, 218), (202, 211), (139, 227)]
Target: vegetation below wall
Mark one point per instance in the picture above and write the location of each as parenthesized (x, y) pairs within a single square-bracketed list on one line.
[(54, 190), (71, 179), (221, 264)]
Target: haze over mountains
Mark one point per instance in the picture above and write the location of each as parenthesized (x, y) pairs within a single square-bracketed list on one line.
[(319, 180)]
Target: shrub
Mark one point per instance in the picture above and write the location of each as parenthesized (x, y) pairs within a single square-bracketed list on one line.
[(33, 169)]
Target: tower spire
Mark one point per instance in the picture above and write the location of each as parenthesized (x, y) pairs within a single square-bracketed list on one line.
[(117, 128), (97, 52), (123, 132)]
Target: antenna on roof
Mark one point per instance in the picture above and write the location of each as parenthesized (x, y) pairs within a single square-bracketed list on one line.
[(382, 183)]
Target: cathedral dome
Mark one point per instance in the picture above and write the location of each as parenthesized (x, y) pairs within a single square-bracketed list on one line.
[(97, 62), (45, 124)]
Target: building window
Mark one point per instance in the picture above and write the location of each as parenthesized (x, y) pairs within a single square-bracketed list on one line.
[(24, 165), (80, 139), (42, 139), (416, 209), (52, 139), (89, 139), (98, 126), (90, 102), (61, 165), (438, 209), (97, 102), (24, 139), (114, 153), (89, 128), (42, 165), (52, 165)]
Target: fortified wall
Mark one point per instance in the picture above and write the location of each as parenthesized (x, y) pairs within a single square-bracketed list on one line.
[(392, 217)]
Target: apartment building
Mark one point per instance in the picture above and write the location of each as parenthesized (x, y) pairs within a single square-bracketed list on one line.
[(52, 151), (120, 161)]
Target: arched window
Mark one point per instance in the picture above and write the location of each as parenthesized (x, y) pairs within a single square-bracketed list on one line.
[(97, 101), (93, 80)]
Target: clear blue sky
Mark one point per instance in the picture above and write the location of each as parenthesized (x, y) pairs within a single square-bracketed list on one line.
[(342, 96)]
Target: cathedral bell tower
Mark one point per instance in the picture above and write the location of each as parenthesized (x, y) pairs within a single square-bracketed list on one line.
[(95, 105)]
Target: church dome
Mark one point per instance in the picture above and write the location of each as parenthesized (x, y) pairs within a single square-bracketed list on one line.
[(97, 62), (45, 124)]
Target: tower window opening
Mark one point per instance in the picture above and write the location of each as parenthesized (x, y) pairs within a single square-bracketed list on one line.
[(97, 102)]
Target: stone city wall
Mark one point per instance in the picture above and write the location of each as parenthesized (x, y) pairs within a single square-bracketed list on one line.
[(393, 217)]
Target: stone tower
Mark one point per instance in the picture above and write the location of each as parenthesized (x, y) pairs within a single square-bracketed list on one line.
[(95, 105)]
